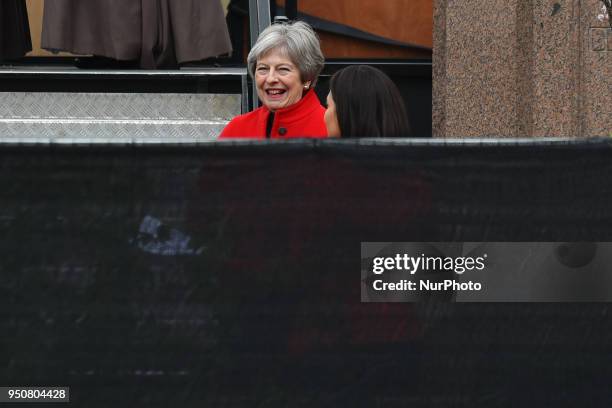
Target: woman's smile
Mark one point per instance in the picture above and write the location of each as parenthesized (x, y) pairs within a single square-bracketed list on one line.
[(276, 94)]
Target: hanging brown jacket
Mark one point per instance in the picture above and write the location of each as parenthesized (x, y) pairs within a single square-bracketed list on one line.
[(15, 38), (158, 33)]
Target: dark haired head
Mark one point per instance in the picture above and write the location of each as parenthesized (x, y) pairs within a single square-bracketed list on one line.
[(368, 104)]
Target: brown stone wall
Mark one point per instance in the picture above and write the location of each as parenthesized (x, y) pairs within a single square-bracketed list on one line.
[(596, 76), (521, 68)]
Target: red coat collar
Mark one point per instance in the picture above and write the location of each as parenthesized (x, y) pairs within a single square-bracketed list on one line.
[(298, 111)]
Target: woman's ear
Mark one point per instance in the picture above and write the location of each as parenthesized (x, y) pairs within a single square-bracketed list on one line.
[(307, 85)]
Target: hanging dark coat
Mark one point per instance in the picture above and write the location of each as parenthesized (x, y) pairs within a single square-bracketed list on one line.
[(158, 33), (15, 38)]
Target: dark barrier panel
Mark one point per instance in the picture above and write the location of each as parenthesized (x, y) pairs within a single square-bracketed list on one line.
[(228, 275)]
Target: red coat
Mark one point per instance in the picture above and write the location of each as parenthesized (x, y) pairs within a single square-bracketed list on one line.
[(303, 119)]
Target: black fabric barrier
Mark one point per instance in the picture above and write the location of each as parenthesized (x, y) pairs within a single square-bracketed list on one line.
[(228, 274)]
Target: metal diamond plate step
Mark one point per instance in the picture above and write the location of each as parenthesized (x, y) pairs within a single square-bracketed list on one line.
[(31, 117)]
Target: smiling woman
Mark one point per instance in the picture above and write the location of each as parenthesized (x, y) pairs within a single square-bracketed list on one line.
[(285, 63)]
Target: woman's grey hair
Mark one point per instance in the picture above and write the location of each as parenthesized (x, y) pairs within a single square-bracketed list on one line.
[(298, 41)]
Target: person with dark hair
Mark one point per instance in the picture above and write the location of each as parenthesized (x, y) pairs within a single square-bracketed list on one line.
[(364, 102)]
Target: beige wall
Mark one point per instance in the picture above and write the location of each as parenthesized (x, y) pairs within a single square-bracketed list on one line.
[(35, 15)]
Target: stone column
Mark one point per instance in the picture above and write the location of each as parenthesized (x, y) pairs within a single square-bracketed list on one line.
[(521, 68)]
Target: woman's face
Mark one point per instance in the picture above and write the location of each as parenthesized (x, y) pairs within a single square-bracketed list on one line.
[(278, 81), (331, 119)]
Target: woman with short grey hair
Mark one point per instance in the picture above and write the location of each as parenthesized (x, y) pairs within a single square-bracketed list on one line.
[(285, 64)]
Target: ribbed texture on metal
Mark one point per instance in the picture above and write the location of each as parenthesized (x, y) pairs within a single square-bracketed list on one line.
[(114, 117)]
